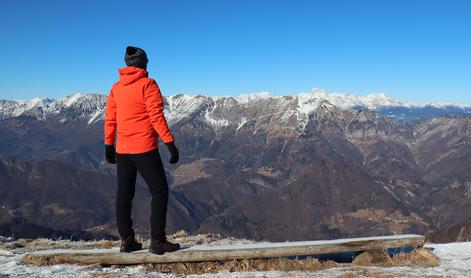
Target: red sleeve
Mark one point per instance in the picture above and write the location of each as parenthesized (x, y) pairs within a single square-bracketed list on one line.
[(110, 120), (155, 110)]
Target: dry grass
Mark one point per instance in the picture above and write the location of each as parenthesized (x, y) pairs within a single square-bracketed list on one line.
[(45, 260), (185, 239), (373, 257), (418, 257), (181, 237), (309, 264), (42, 244)]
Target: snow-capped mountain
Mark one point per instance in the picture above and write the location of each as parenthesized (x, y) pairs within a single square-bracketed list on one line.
[(222, 111), (350, 170), (76, 106)]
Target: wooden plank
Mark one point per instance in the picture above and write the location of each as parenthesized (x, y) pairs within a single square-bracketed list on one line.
[(228, 252)]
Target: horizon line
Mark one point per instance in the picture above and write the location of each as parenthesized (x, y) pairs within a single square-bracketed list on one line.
[(268, 94)]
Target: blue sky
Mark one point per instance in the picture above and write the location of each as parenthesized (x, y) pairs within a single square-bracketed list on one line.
[(411, 50)]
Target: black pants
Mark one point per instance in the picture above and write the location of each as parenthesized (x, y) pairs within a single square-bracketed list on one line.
[(151, 169)]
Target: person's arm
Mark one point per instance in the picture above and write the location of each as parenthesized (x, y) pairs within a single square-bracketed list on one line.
[(110, 129), (155, 110), (110, 120)]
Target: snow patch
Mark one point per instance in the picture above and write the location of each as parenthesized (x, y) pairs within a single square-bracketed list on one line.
[(72, 99), (242, 122), (181, 106), (252, 97), (216, 123)]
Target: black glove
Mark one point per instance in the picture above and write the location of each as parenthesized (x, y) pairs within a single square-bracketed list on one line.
[(110, 154), (174, 156)]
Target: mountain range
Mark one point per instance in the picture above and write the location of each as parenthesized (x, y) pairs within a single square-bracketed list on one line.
[(91, 106), (309, 166)]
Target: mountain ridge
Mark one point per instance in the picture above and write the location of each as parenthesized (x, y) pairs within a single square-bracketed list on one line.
[(92, 105)]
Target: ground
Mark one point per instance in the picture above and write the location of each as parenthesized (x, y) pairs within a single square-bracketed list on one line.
[(455, 261)]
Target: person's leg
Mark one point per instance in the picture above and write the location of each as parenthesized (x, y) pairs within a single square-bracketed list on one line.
[(126, 187), (151, 168)]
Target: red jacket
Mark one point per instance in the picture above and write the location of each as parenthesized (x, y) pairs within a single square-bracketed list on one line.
[(135, 111)]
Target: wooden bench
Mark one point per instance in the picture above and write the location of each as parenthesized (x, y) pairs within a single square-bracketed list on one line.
[(201, 253)]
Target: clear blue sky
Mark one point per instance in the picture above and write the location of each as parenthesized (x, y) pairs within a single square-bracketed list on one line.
[(412, 50)]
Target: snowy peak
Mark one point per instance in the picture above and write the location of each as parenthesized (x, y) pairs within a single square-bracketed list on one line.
[(180, 106), (81, 99), (15, 108), (90, 107), (249, 98), (77, 106), (308, 101), (348, 101)]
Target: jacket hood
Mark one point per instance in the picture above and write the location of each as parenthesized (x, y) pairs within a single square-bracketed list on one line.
[(130, 75)]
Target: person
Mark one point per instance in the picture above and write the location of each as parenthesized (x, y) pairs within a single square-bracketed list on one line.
[(134, 114)]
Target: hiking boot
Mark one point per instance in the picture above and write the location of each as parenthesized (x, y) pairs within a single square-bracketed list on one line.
[(129, 244), (160, 247)]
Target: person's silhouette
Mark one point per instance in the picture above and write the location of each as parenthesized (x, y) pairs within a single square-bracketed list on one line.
[(134, 114)]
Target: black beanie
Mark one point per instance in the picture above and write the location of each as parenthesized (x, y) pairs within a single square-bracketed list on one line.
[(135, 57)]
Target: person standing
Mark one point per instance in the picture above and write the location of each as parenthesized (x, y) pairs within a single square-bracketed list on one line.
[(134, 114)]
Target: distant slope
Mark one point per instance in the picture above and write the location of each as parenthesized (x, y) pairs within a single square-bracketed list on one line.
[(456, 233)]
